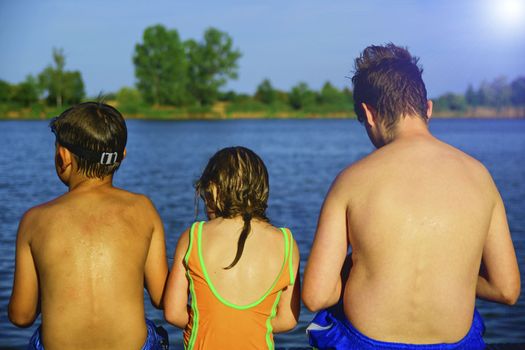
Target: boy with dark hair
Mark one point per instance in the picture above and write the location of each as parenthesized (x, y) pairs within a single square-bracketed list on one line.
[(84, 258), (421, 218)]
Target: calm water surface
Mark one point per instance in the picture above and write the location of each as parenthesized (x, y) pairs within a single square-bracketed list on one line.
[(302, 156)]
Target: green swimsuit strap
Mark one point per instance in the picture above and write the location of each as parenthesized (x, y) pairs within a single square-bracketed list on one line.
[(190, 245), (214, 290), (290, 255)]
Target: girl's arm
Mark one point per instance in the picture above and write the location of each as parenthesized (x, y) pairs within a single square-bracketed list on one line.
[(176, 294), (290, 303)]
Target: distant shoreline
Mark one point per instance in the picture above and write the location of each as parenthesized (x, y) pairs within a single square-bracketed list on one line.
[(214, 114), (484, 112)]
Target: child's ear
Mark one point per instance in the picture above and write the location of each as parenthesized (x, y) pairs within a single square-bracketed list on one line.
[(63, 158), (124, 154), (430, 106), (370, 114)]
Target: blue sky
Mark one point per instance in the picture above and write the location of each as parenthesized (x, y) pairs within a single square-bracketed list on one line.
[(459, 41)]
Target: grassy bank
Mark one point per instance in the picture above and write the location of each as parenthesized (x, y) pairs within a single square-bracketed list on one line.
[(228, 110), (220, 110)]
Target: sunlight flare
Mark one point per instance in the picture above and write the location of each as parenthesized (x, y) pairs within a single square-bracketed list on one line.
[(509, 13)]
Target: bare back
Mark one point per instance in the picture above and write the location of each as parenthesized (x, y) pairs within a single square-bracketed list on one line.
[(418, 214), (259, 271), (90, 249), (260, 264)]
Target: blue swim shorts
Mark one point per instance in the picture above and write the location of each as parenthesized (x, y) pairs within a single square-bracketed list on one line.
[(157, 339), (327, 331)]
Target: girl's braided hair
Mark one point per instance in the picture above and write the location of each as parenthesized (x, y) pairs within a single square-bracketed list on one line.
[(235, 182)]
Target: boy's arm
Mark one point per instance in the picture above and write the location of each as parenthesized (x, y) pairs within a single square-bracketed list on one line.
[(176, 297), (322, 277), (156, 268), (499, 278), (289, 305), (23, 304)]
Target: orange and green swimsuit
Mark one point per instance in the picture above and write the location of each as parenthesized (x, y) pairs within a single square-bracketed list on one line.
[(218, 324)]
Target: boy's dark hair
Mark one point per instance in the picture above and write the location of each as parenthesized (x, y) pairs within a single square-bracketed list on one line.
[(235, 182), (389, 79), (96, 134)]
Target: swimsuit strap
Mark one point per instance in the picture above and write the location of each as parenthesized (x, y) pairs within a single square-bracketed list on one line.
[(192, 239), (290, 257), (288, 253), (287, 239)]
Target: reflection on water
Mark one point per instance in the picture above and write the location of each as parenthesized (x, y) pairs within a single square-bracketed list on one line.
[(302, 156)]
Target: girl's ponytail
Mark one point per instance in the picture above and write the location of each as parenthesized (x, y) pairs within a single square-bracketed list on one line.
[(246, 218), (235, 183)]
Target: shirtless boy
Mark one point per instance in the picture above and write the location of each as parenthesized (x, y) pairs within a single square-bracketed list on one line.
[(84, 258), (425, 222)]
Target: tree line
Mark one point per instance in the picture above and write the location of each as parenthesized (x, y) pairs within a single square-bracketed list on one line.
[(496, 94), (53, 86), (171, 72), (190, 75)]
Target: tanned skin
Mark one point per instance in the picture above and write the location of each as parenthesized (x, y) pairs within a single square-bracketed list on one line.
[(260, 265), (83, 260), (421, 217)]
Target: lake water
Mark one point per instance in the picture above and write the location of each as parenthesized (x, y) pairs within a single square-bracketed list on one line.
[(302, 156)]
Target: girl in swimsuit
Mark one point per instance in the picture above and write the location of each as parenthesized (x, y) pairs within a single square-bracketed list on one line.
[(234, 280)]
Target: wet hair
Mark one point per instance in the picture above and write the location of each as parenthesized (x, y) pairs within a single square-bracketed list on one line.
[(388, 78), (235, 182), (96, 134)]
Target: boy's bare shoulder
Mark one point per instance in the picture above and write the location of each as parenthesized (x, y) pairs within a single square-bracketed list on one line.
[(42, 210), (68, 201), (37, 217), (474, 168), (139, 198), (140, 202), (357, 170)]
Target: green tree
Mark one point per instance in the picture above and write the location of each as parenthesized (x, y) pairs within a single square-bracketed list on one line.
[(27, 92), (129, 100), (6, 91), (228, 96), (52, 78), (211, 62), (451, 102), (301, 96), (471, 96), (265, 92), (349, 95), (502, 92), (73, 85), (486, 95), (61, 86), (161, 66), (282, 97), (518, 91), (330, 95)]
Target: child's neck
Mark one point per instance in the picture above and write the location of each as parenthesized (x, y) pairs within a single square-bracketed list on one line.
[(77, 183)]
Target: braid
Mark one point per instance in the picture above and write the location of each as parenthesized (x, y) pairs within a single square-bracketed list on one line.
[(246, 228), (235, 183)]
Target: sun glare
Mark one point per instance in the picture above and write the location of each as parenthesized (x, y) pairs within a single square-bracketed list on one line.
[(509, 13)]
